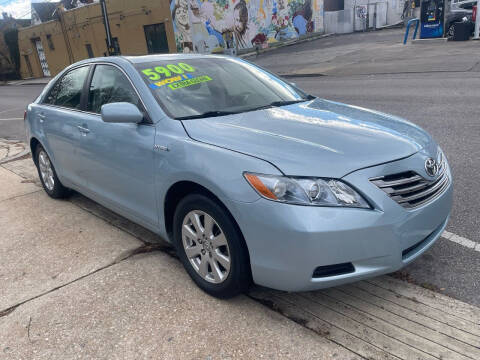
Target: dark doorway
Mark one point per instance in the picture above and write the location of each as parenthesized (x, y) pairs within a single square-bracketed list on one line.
[(156, 38)]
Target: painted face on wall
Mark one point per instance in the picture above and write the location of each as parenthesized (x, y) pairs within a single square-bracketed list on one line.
[(237, 21)]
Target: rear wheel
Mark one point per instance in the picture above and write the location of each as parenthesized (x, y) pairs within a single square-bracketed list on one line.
[(210, 247), (48, 176), (451, 32)]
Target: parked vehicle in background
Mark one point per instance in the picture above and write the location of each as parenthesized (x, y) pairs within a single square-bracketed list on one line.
[(248, 176), (459, 10)]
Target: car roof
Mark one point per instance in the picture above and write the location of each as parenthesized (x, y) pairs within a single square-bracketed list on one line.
[(145, 58), (151, 58)]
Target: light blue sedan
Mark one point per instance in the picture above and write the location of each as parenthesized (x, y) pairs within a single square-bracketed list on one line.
[(249, 177)]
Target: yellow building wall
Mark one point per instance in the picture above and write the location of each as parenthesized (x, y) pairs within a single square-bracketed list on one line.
[(85, 26), (57, 58)]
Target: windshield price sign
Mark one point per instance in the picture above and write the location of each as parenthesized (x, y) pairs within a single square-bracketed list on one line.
[(176, 76)]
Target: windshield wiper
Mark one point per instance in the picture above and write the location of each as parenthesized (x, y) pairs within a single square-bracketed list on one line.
[(207, 114), (279, 103), (223, 113)]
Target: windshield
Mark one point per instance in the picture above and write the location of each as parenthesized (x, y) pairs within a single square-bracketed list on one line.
[(202, 87)]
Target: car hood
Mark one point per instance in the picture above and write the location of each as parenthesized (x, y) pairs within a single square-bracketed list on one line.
[(315, 138)]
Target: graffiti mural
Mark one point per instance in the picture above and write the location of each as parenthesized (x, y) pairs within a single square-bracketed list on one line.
[(207, 26)]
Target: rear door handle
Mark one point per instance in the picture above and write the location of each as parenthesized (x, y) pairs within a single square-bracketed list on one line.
[(83, 129), (41, 117)]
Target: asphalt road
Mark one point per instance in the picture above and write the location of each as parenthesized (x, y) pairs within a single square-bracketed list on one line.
[(13, 101), (436, 88)]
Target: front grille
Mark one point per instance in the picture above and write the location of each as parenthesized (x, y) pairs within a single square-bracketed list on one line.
[(411, 190)]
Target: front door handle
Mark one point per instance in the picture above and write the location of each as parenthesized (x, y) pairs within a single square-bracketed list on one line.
[(83, 129)]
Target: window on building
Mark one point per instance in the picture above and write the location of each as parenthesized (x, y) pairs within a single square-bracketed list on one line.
[(110, 85), (156, 38), (67, 92), (50, 42), (334, 5), (89, 50)]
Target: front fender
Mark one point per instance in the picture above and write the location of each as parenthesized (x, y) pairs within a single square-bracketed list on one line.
[(216, 169)]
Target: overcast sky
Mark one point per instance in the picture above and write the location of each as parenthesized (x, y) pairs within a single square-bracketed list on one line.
[(18, 8)]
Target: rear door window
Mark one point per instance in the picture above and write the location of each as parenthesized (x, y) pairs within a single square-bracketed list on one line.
[(67, 92)]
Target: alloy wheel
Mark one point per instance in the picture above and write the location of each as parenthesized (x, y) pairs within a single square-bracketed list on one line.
[(46, 170), (451, 32), (206, 246)]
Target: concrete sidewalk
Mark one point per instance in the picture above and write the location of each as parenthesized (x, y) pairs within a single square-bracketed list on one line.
[(351, 54), (81, 282), (72, 287), (12, 150)]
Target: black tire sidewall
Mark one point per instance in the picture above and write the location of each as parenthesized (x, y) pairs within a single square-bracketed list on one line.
[(239, 278)]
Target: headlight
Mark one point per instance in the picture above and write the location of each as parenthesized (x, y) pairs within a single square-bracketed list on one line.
[(306, 191)]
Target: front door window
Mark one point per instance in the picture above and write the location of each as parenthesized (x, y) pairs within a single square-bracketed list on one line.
[(109, 85)]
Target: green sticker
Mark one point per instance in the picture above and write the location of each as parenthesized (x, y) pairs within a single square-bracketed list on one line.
[(189, 82)]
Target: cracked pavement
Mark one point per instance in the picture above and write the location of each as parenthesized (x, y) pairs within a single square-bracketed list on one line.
[(77, 282)]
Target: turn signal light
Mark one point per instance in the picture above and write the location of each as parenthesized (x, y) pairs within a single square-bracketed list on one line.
[(260, 186)]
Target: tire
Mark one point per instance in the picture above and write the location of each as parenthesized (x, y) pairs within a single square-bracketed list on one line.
[(206, 247), (451, 32), (50, 182)]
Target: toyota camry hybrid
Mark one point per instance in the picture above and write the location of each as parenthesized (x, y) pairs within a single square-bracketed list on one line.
[(249, 177)]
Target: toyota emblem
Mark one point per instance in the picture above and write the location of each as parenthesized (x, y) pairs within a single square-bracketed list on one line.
[(431, 167)]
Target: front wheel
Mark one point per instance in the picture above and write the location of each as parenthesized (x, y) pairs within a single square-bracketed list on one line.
[(211, 247)]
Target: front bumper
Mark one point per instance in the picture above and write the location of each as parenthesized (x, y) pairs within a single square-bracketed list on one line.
[(288, 242)]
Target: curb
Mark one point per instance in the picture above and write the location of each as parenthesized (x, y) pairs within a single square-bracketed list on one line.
[(25, 84), (29, 81)]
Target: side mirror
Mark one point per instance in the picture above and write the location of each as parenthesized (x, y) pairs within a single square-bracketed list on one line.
[(121, 112)]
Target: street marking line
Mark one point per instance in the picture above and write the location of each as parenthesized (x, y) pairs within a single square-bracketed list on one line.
[(14, 109), (12, 119), (461, 240)]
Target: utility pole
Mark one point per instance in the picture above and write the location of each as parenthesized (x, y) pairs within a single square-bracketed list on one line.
[(110, 48), (65, 33), (477, 21)]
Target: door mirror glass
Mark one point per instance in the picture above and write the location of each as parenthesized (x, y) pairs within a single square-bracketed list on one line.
[(121, 112)]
